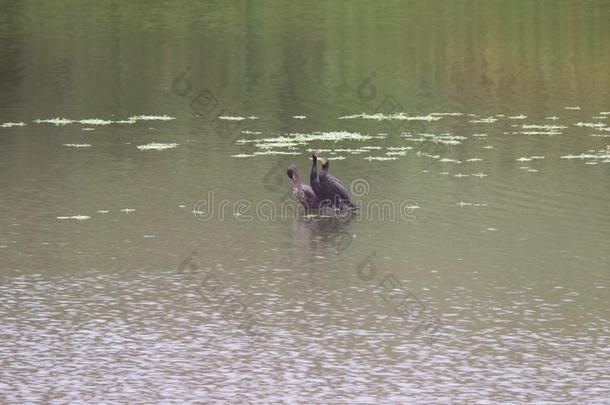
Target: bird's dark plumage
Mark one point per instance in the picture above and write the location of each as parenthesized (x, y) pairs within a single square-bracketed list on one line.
[(314, 180), (332, 190), (301, 191)]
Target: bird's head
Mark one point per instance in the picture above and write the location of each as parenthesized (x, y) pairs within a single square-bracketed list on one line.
[(314, 154), (324, 162), (292, 170)]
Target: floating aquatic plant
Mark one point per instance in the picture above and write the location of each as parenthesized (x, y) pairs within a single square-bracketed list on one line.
[(270, 145), (445, 114), (399, 148), (77, 217), (157, 146), (330, 136), (543, 126), (12, 124), (380, 158), (428, 155), (276, 152), (245, 141), (550, 132), (150, 118), (602, 155), (55, 121), (231, 118), (607, 129), (397, 116), (77, 145), (488, 120), (242, 155), (357, 151), (94, 121), (590, 124), (469, 204), (98, 121)]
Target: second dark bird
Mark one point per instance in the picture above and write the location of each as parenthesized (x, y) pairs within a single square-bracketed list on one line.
[(329, 189)]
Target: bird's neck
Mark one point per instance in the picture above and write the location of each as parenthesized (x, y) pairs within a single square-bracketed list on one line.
[(324, 171), (314, 169)]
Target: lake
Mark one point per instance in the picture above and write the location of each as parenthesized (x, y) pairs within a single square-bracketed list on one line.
[(151, 250)]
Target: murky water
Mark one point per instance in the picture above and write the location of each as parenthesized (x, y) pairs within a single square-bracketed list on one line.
[(150, 250)]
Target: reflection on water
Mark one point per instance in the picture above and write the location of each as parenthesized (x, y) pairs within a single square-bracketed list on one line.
[(474, 136)]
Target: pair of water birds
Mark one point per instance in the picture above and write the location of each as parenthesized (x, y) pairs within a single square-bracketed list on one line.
[(325, 190)]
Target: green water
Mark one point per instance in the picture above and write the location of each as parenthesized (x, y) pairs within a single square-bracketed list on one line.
[(475, 135)]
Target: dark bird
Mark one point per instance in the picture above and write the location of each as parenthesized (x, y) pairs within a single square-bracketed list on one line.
[(301, 191), (314, 180), (332, 190)]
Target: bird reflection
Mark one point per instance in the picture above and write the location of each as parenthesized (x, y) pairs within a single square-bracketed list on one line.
[(323, 235)]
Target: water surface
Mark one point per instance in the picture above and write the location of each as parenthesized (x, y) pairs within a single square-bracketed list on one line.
[(124, 126)]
